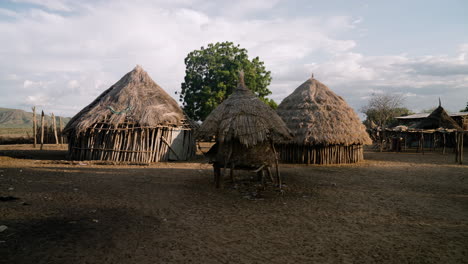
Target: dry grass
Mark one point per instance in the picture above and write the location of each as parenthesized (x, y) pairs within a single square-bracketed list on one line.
[(16, 132), (15, 136)]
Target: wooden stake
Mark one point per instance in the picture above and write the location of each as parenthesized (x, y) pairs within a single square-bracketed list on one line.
[(42, 130), (456, 147), (422, 142), (54, 126), (444, 141), (217, 175), (461, 148), (34, 126), (278, 176), (61, 129)]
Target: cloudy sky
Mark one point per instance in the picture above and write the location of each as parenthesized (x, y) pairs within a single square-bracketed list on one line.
[(60, 54)]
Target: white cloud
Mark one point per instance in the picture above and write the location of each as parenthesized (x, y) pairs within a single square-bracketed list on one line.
[(58, 5), (73, 57), (40, 100), (8, 13)]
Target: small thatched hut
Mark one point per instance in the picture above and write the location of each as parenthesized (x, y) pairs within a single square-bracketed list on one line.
[(326, 128), (439, 125), (439, 118), (245, 130), (134, 120)]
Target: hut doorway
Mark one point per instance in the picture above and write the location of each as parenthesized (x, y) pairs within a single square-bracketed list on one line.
[(178, 142)]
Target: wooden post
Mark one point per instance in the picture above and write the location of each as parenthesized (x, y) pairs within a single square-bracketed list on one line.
[(382, 140), (34, 126), (456, 147), (434, 141), (404, 148), (460, 159), (422, 142), (217, 175), (278, 176), (419, 144), (444, 142), (54, 126), (61, 129), (42, 129)]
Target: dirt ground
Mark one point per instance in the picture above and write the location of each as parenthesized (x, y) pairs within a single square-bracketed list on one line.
[(392, 208)]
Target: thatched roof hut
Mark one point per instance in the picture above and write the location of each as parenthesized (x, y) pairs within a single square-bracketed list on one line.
[(327, 130), (439, 118), (133, 120), (245, 129)]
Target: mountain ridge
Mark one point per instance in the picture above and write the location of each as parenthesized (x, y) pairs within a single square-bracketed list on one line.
[(17, 118)]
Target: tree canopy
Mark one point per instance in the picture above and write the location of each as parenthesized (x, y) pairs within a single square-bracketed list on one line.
[(212, 73), (383, 108)]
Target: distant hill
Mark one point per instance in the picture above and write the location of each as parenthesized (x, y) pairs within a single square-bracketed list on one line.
[(15, 118)]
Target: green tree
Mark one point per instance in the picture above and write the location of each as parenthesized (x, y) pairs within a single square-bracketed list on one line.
[(211, 75)]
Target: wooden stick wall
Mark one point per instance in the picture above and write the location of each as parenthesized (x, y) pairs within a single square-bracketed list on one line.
[(335, 154), (129, 142)]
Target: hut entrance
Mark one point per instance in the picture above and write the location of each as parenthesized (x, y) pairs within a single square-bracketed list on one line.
[(178, 141)]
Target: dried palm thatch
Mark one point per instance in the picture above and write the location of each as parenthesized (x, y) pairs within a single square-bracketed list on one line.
[(245, 129), (133, 120), (438, 119), (135, 96), (326, 128)]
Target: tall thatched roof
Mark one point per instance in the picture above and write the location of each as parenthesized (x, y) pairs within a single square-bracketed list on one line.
[(438, 119), (136, 97), (317, 116), (243, 116)]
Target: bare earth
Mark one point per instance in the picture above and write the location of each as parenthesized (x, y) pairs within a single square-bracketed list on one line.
[(393, 208)]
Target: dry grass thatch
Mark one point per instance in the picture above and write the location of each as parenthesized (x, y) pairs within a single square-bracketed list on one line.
[(244, 117), (438, 119), (317, 116), (136, 98)]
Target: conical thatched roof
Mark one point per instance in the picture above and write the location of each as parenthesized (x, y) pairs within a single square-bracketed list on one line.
[(243, 116), (136, 97), (317, 116), (438, 119)]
